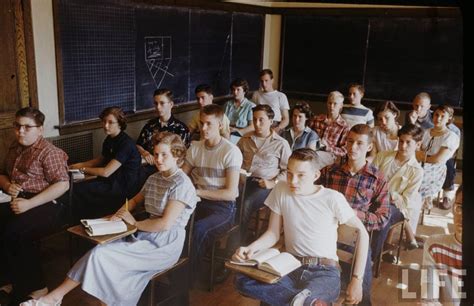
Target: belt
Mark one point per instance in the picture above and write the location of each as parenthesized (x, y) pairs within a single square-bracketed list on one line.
[(310, 260)]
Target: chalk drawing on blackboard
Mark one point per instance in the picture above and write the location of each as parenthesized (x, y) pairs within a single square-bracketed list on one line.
[(158, 55)]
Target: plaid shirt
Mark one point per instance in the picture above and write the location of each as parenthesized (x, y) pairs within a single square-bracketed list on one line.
[(333, 133), (366, 191), (36, 167)]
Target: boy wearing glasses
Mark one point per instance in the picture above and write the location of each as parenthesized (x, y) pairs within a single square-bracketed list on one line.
[(34, 174)]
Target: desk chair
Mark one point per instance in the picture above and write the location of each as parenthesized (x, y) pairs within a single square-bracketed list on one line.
[(347, 242), (397, 246), (180, 287), (234, 230)]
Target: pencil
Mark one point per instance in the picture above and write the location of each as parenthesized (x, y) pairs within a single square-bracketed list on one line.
[(126, 204)]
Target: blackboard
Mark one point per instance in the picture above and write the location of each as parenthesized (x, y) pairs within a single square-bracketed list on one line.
[(119, 52), (394, 58)]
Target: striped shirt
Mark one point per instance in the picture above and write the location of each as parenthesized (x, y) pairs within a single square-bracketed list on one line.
[(209, 165), (158, 190), (442, 257), (357, 114)]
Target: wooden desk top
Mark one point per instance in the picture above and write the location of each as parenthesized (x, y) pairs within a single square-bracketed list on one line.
[(254, 273), (80, 231)]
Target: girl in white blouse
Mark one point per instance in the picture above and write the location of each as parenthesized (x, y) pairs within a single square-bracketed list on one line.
[(386, 129), (438, 145)]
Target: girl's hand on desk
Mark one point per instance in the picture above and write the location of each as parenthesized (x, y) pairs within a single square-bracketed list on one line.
[(126, 216), (20, 205)]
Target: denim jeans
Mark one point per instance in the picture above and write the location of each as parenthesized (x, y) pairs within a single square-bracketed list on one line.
[(378, 237), (254, 199), (212, 219), (322, 281)]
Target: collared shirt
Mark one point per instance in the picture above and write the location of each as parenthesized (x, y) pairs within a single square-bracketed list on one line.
[(334, 133), (239, 116), (304, 140), (36, 167), (154, 125), (366, 191), (269, 161)]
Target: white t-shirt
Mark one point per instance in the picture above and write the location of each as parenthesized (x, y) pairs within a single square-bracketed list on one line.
[(210, 164), (310, 222), (275, 99)]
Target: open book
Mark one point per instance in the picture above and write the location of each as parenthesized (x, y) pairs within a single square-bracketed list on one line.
[(272, 261), (103, 226), (4, 198)]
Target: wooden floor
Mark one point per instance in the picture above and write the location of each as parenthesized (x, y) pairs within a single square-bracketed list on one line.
[(395, 286)]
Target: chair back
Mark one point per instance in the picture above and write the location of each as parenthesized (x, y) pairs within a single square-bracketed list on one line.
[(186, 252), (243, 177), (347, 241)]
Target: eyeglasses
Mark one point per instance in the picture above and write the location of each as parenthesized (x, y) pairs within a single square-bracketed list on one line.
[(27, 127)]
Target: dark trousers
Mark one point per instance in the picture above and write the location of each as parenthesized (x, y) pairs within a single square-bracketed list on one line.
[(378, 237), (450, 174), (255, 197), (19, 254), (212, 219)]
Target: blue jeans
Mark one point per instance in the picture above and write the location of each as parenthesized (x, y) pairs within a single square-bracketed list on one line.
[(255, 197), (322, 281), (212, 219), (378, 237)]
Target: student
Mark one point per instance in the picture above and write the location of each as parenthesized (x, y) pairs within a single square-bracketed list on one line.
[(213, 164), (239, 109), (34, 174), (356, 113), (164, 122), (265, 157), (363, 185), (204, 97), (300, 135), (277, 100), (423, 117), (117, 170), (309, 215), (438, 145), (386, 130), (403, 174), (441, 279), (332, 130), (116, 273)]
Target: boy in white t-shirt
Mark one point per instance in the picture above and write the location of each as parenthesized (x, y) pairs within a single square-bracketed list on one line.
[(356, 113), (298, 206), (275, 99)]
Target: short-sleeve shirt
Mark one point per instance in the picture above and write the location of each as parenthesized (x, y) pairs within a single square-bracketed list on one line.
[(448, 140), (122, 148), (304, 140), (353, 114), (239, 116), (310, 222), (36, 167), (154, 126), (268, 160), (209, 165), (275, 99), (195, 124), (158, 190), (383, 142)]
